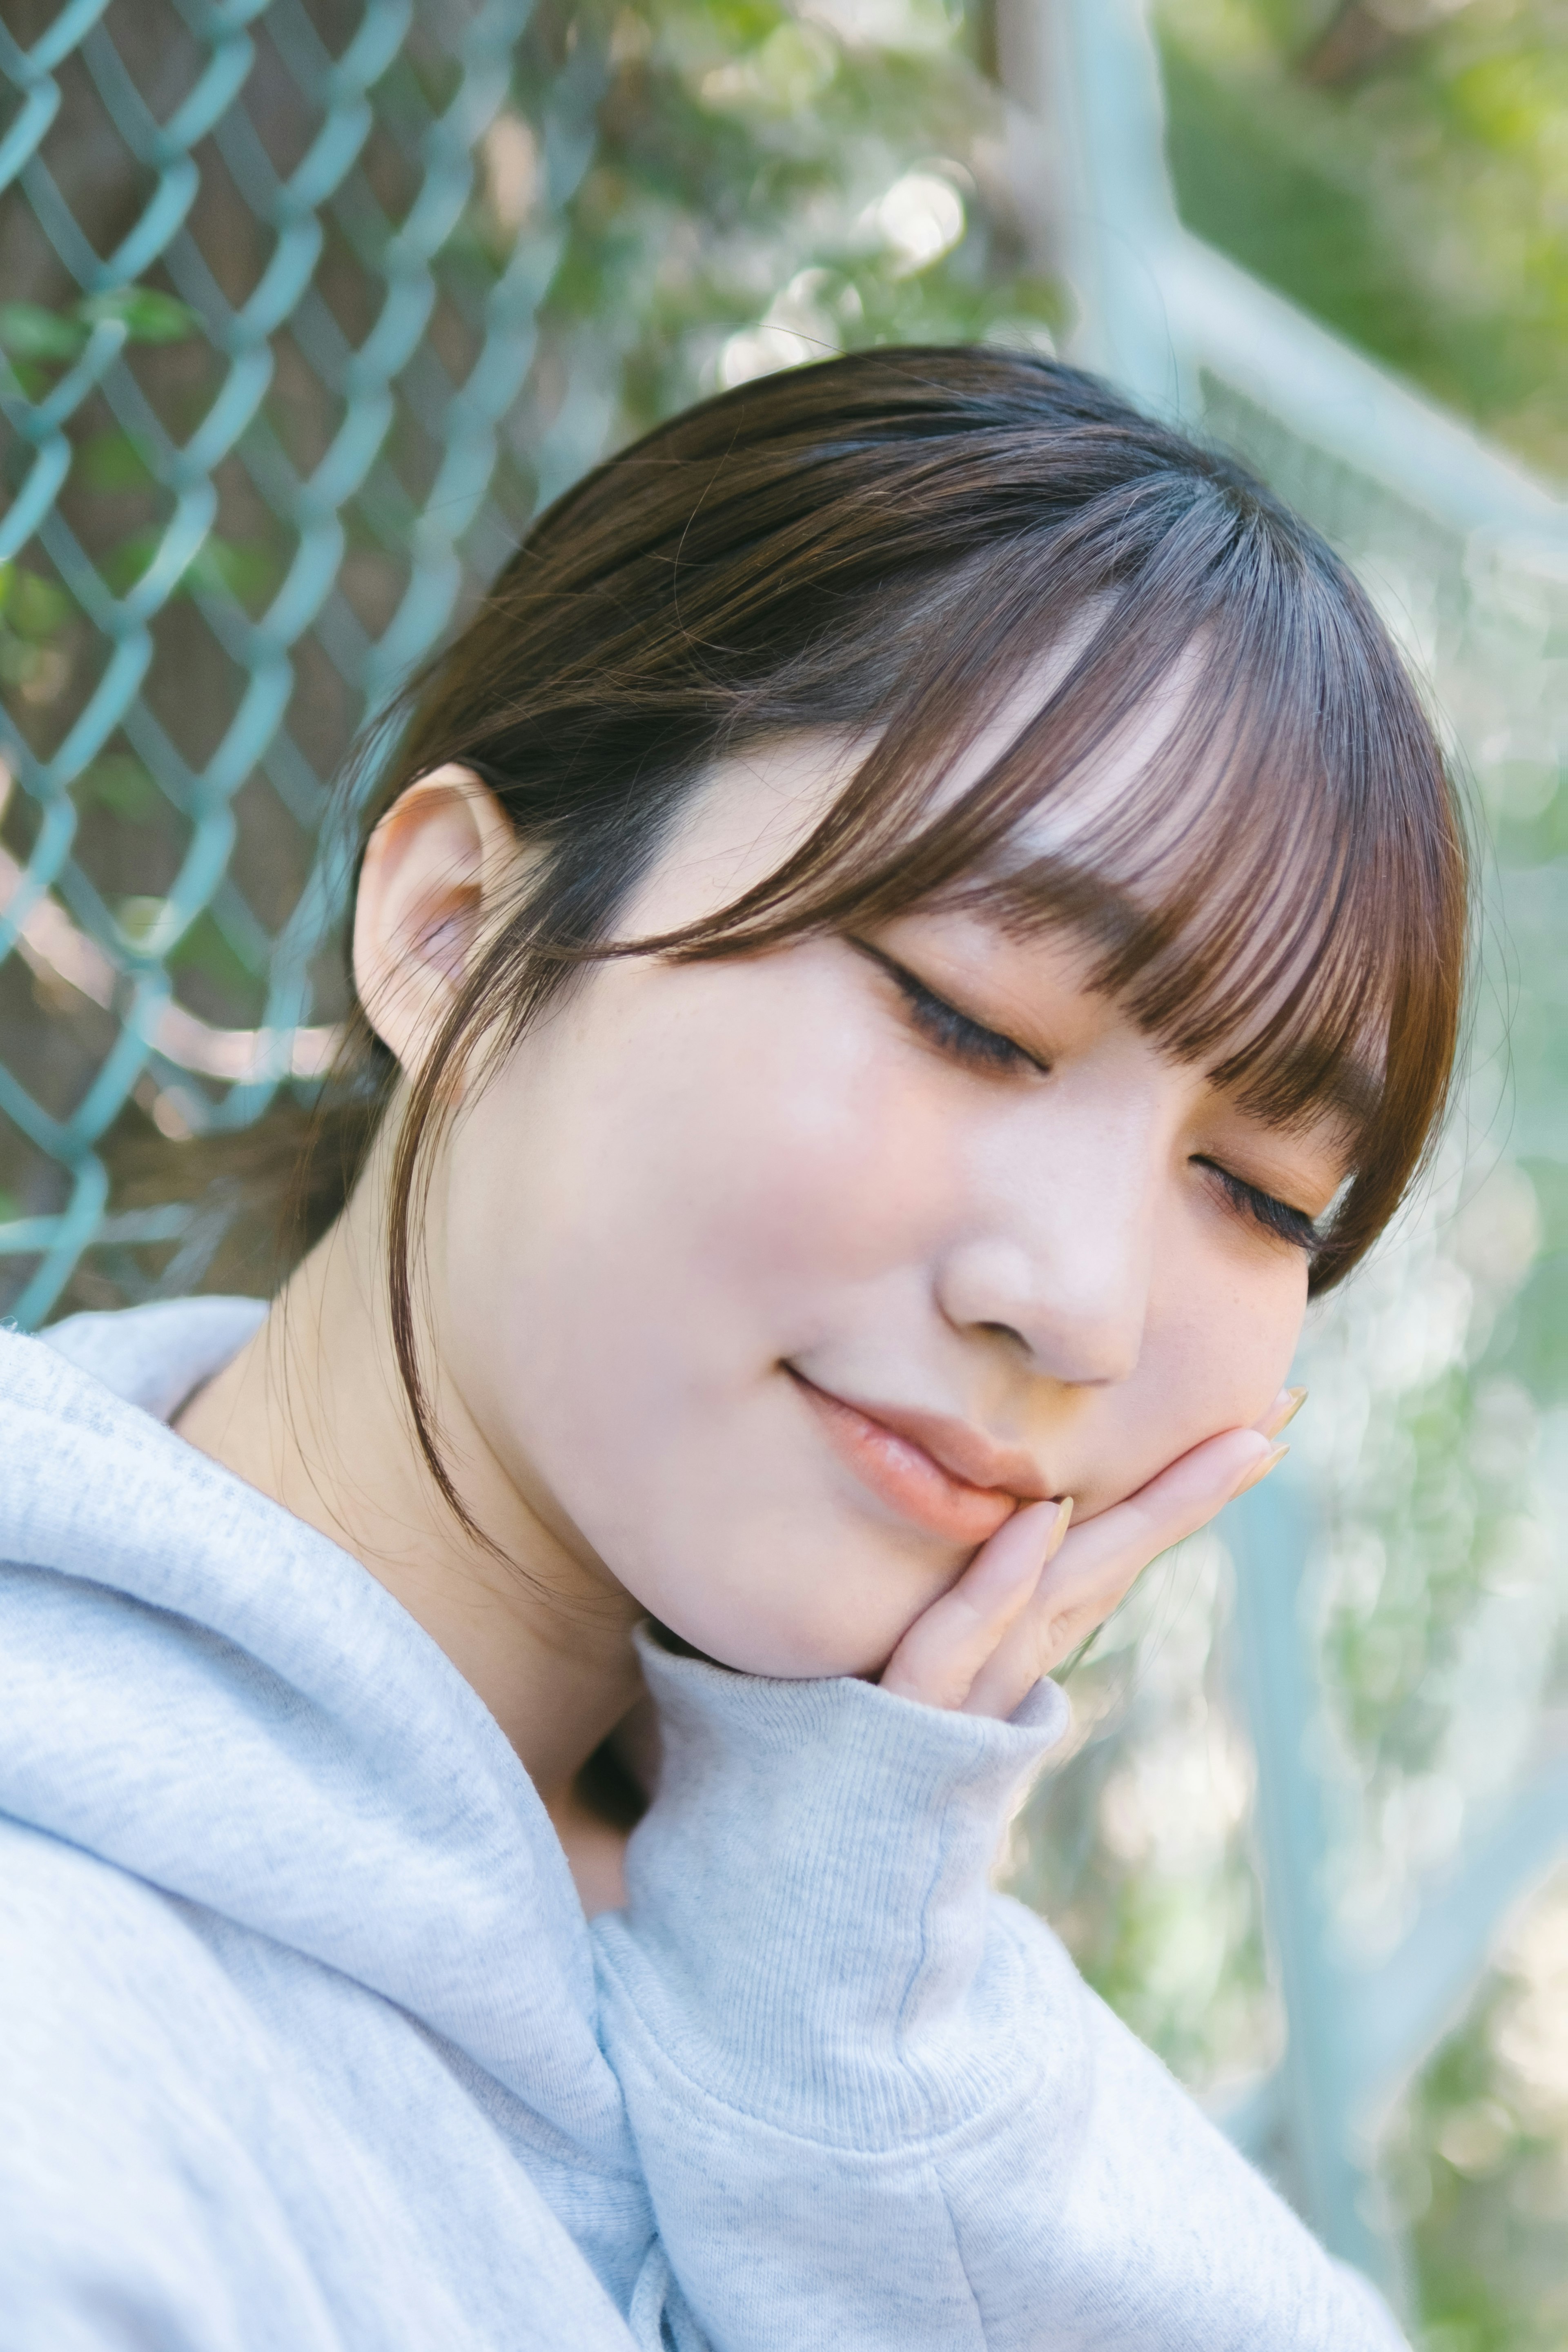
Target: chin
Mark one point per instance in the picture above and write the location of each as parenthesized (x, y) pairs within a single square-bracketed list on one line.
[(786, 1660), (782, 1652)]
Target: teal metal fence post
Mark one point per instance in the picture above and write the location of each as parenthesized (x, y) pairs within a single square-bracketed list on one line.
[(1322, 2097)]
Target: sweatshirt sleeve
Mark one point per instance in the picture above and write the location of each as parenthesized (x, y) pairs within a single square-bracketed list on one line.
[(875, 2105)]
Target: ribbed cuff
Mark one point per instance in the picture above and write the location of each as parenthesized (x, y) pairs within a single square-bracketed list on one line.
[(808, 1894)]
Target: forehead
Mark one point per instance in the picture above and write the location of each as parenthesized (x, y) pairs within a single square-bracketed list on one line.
[(746, 815), (752, 807)]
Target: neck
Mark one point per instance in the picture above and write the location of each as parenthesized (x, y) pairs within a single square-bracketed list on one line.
[(312, 1413)]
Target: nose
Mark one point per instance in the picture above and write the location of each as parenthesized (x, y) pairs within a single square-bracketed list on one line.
[(1059, 1264)]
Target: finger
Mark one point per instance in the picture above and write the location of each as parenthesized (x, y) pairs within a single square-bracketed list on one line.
[(1104, 1557), (949, 1643), (1281, 1412), (1114, 1549)]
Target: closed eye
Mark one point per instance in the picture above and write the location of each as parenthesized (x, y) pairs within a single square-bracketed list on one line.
[(968, 1042), (953, 1033), (1276, 1216)]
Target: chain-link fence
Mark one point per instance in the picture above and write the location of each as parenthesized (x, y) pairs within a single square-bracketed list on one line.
[(266, 409)]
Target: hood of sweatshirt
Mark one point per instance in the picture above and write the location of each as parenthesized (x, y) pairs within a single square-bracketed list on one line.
[(199, 1688)]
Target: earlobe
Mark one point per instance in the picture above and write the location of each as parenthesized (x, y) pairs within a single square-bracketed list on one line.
[(435, 871)]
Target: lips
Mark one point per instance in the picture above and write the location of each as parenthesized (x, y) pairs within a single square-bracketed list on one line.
[(939, 1473)]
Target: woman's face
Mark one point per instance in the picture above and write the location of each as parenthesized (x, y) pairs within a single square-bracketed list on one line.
[(771, 1283)]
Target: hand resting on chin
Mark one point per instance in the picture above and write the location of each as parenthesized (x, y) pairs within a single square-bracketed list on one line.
[(1040, 1586)]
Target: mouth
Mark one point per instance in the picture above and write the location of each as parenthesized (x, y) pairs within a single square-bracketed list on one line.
[(938, 1473)]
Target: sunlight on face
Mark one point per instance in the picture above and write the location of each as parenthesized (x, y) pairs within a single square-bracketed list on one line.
[(773, 1282)]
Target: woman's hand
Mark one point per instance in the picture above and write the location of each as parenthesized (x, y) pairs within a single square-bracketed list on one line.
[(1035, 1590)]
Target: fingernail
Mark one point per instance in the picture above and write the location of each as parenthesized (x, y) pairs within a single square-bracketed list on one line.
[(1296, 1399), (1260, 1470), (1063, 1521)]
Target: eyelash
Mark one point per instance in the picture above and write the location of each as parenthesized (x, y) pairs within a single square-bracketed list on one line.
[(979, 1048), (1276, 1216), (968, 1042)]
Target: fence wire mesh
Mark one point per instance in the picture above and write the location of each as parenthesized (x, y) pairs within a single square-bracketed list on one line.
[(1438, 1440), (1433, 1595), (265, 392)]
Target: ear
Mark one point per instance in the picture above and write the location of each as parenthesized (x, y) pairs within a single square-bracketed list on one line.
[(436, 870)]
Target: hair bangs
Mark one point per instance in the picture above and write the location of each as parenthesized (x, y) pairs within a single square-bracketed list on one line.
[(1203, 769), (1232, 879)]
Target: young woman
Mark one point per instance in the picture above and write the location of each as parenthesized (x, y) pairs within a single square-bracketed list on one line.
[(918, 922)]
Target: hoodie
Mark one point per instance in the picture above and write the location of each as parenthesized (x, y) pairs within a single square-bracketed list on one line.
[(306, 2045)]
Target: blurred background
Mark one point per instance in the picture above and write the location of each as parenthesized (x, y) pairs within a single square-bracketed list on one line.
[(306, 306)]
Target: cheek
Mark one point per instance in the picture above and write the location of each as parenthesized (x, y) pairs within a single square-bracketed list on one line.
[(646, 1215), (1222, 1330), (741, 1141), (1232, 1345)]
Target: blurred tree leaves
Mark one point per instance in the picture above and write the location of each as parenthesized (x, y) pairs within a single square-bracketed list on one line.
[(1477, 2164), (33, 611), (1400, 167), (34, 339), (770, 184)]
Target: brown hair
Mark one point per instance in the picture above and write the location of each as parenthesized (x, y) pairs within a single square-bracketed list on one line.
[(888, 544)]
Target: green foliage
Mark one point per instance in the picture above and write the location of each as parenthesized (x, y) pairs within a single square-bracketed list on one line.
[(243, 570), (1278, 206), (31, 607), (33, 612), (205, 950), (112, 461), (36, 344), (147, 316), (1477, 2161), (1402, 172), (768, 188), (121, 785), (27, 332), (1137, 1848)]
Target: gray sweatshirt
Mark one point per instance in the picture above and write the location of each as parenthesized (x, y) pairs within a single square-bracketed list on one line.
[(305, 2044)]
